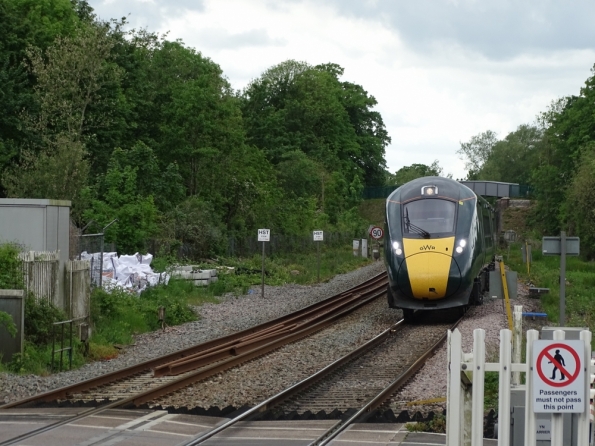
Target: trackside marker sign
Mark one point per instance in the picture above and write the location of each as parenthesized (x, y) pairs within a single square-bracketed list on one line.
[(558, 376)]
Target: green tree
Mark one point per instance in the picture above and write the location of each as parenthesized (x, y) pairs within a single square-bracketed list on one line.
[(25, 23), (408, 173), (579, 206), (296, 108), (69, 75), (569, 129), (512, 159), (194, 229), (137, 214), (476, 152)]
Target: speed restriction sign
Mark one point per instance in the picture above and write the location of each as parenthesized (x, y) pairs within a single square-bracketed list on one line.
[(376, 233)]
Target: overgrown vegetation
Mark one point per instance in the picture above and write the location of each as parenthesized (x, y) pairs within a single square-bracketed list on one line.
[(11, 278), (437, 424), (118, 316)]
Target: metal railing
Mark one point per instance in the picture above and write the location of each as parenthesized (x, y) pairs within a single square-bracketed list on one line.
[(84, 338)]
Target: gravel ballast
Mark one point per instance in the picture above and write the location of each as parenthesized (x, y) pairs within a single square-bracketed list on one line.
[(234, 313)]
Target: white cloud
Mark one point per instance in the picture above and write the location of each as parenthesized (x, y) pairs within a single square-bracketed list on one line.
[(431, 96)]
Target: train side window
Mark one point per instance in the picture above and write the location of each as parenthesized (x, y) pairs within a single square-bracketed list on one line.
[(487, 230)]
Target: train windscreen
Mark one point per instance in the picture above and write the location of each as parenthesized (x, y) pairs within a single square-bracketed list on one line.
[(431, 216)]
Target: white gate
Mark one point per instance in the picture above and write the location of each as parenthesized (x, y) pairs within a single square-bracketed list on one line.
[(465, 393)]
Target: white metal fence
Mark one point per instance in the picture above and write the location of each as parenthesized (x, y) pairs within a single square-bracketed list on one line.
[(465, 390)]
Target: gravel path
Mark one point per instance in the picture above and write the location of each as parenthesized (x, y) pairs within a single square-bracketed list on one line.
[(235, 313)]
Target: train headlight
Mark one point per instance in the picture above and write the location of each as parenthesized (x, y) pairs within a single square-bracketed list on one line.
[(429, 190), (397, 248), (462, 244)]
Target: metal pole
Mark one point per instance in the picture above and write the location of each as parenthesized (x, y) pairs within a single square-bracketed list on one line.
[(562, 278), (557, 430), (318, 255), (101, 263), (53, 344), (102, 237), (263, 270), (61, 347), (70, 351)]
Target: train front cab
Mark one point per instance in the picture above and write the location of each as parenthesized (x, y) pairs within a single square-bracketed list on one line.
[(436, 246)]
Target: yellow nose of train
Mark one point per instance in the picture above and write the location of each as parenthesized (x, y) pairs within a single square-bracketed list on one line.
[(428, 265)]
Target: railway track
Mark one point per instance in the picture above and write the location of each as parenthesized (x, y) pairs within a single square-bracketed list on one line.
[(360, 381), (150, 380)]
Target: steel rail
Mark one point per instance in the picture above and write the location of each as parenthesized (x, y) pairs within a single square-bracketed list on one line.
[(247, 344), (216, 368), (172, 386), (65, 392), (375, 402), (298, 387)]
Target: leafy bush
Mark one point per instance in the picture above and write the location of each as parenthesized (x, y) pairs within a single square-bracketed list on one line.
[(436, 424), (119, 315), (8, 323), (11, 275), (40, 316), (38, 359)]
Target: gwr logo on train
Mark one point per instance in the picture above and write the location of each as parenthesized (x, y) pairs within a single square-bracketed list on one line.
[(427, 248)]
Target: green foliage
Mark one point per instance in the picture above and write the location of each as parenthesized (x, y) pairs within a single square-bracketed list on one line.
[(476, 152), (40, 316), (37, 359), (137, 215), (11, 274), (119, 315), (436, 425), (193, 228), (579, 206), (512, 159), (69, 76), (408, 173), (7, 322), (300, 115)]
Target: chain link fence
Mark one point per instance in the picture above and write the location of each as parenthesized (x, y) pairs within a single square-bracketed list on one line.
[(92, 247)]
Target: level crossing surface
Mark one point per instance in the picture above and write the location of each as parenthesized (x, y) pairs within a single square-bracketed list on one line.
[(148, 428)]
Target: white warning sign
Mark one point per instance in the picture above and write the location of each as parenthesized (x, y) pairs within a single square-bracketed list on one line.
[(558, 376)]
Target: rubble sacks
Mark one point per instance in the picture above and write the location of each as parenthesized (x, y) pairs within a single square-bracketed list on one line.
[(131, 272)]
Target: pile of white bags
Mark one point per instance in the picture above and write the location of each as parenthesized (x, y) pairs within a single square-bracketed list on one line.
[(131, 272)]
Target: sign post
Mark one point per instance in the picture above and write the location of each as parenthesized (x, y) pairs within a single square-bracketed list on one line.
[(318, 237), (561, 246), (264, 235), (559, 380)]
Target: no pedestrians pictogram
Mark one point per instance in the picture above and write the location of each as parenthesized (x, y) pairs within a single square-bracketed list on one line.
[(559, 376), (552, 358)]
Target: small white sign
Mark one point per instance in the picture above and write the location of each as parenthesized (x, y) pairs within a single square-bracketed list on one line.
[(356, 248), (264, 235), (558, 376), (318, 236), (543, 430)]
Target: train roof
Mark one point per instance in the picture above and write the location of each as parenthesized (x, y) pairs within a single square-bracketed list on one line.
[(447, 188)]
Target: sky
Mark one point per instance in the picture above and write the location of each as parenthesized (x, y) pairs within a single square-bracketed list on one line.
[(442, 71)]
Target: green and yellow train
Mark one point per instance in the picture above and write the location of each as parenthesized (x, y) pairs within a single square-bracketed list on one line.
[(439, 243)]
